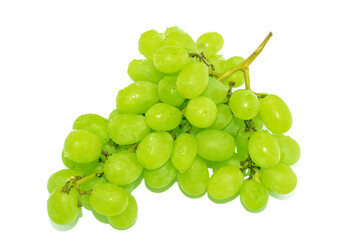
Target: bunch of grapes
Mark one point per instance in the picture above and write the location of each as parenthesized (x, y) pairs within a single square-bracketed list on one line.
[(181, 120)]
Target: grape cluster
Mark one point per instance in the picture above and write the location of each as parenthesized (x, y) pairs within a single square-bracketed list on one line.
[(181, 120)]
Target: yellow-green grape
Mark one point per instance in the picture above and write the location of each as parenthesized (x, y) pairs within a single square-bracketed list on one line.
[(223, 117), (258, 123), (127, 129), (63, 207), (171, 59), (218, 62), (238, 77), (215, 145), (215, 90), (280, 179), (275, 114), (168, 93), (82, 147), (163, 117), (263, 149), (111, 147), (193, 182), (101, 218), (184, 152), (84, 168), (244, 104), (138, 97), (127, 218), (108, 199), (160, 179), (235, 160), (154, 149), (114, 113), (177, 37), (95, 124), (234, 127), (144, 70), (192, 80), (149, 42), (242, 143), (59, 178), (225, 182), (212, 41), (122, 168), (201, 112), (289, 149), (253, 195), (88, 186)]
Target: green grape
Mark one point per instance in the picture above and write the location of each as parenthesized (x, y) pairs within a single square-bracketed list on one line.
[(263, 149), (154, 150), (242, 143), (160, 179), (101, 218), (280, 179), (258, 123), (149, 43), (59, 178), (168, 93), (127, 218), (215, 145), (69, 226), (127, 129), (87, 186), (235, 160), (225, 183), (215, 90), (122, 168), (212, 41), (177, 37), (67, 162), (63, 207), (138, 97), (234, 127), (218, 62), (108, 199), (289, 149), (132, 186), (275, 114), (84, 168), (111, 147), (95, 124), (244, 104), (144, 70), (114, 113), (82, 147), (238, 77), (163, 117), (192, 80), (193, 182), (253, 195), (223, 117), (171, 59), (184, 152), (201, 112)]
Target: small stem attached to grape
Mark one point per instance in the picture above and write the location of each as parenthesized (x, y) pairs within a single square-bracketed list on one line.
[(133, 148), (244, 65)]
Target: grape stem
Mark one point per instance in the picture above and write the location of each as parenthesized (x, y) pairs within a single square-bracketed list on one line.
[(231, 85), (244, 65), (250, 165), (203, 59), (76, 181), (250, 125)]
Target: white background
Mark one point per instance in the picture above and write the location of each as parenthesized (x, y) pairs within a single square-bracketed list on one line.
[(61, 59)]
